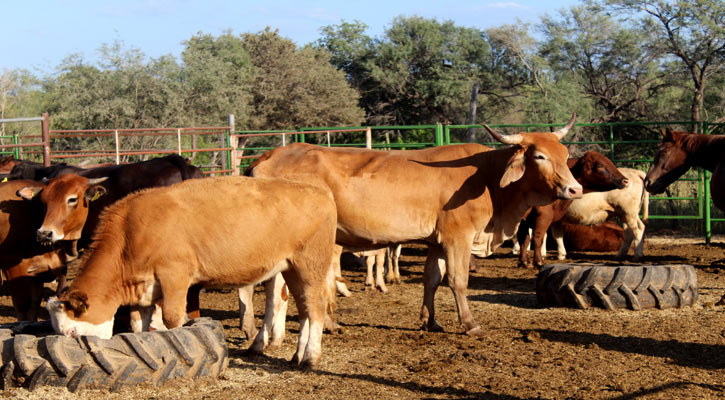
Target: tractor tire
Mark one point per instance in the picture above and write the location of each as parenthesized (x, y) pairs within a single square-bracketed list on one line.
[(615, 287), (197, 349)]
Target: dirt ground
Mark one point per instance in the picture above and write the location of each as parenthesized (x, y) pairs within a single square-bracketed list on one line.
[(526, 352)]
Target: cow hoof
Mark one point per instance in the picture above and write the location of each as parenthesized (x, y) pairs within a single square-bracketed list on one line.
[(526, 265), (332, 327), (383, 289), (477, 331), (432, 327)]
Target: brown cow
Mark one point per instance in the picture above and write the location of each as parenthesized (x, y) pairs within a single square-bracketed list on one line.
[(595, 172), (602, 238), (216, 232), (25, 264), (443, 197)]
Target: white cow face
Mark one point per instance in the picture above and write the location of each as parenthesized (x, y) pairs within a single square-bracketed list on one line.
[(66, 325)]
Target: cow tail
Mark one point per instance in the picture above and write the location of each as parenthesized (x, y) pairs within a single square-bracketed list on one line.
[(249, 171)]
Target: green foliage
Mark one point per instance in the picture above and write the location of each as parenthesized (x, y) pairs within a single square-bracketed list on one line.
[(296, 87)]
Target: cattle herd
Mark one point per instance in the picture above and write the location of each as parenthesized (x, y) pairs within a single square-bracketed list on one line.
[(154, 233)]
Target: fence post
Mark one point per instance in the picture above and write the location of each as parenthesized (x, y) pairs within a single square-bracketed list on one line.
[(118, 147), (368, 138), (439, 134), (178, 139), (45, 134), (233, 143)]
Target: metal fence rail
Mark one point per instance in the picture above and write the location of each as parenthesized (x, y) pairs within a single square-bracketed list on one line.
[(240, 148)]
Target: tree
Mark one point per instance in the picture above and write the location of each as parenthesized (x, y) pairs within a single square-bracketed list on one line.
[(608, 60), (296, 87), (216, 76), (693, 31)]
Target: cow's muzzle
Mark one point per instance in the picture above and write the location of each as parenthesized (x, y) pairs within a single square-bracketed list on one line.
[(571, 192), (44, 237)]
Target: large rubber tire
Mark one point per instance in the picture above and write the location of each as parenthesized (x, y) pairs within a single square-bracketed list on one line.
[(617, 287), (196, 350)]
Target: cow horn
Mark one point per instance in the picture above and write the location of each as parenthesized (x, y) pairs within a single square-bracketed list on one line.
[(507, 139), (563, 131), (96, 181)]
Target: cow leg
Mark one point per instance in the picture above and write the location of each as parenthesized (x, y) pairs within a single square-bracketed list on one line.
[(192, 302), (543, 221), (246, 311), (633, 231), (26, 294), (275, 315), (557, 230), (457, 273), (379, 269), (638, 228), (435, 268), (393, 274), (627, 237), (309, 293), (370, 264), (174, 291), (523, 237), (146, 318), (339, 282)]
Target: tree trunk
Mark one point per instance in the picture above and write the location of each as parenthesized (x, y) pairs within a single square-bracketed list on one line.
[(472, 113)]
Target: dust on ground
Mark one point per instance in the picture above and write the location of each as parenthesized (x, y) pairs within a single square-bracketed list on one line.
[(526, 351)]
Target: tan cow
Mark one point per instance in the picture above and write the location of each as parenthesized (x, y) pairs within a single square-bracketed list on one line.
[(443, 197), (218, 232)]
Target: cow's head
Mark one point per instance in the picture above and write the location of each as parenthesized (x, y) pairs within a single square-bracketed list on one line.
[(596, 172), (73, 316), (539, 164), (66, 201), (670, 163)]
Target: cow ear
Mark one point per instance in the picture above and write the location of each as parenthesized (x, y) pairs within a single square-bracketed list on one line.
[(514, 169), (667, 135), (94, 192), (77, 302), (29, 192)]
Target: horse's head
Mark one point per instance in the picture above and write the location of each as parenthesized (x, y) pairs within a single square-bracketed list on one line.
[(670, 163)]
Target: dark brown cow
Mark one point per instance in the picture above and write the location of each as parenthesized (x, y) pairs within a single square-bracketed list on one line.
[(595, 172), (217, 232), (602, 238), (444, 197), (25, 264)]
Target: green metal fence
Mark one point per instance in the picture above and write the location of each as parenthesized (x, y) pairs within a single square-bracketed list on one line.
[(627, 144)]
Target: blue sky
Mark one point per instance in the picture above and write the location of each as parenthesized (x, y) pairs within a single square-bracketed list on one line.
[(37, 35)]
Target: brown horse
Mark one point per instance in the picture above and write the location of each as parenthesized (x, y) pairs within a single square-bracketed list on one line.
[(679, 152)]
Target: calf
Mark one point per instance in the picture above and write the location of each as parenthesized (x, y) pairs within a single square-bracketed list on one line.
[(595, 172), (216, 232), (596, 207)]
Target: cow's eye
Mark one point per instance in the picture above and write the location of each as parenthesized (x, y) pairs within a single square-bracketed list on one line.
[(72, 201), (539, 156)]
